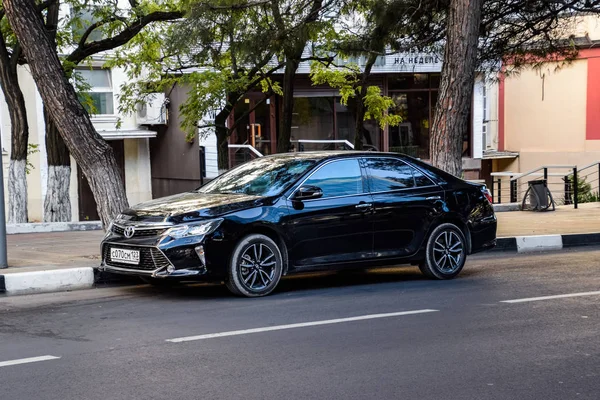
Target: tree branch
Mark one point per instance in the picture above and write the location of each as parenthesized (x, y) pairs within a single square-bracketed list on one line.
[(87, 49), (95, 26)]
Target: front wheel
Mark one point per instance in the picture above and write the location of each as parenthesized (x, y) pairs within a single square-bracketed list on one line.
[(255, 267), (445, 254)]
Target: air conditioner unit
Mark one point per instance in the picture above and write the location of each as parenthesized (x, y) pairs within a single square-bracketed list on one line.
[(153, 111)]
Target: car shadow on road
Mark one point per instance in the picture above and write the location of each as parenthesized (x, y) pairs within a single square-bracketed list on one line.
[(406, 276)]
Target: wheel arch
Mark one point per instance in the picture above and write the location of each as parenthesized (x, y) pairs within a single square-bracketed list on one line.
[(274, 235), (454, 219)]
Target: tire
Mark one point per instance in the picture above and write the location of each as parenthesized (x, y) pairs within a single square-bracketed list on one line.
[(445, 252), (255, 267)]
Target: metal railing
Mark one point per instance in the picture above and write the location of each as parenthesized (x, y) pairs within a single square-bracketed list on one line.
[(588, 178), (333, 142), (246, 152), (512, 186)]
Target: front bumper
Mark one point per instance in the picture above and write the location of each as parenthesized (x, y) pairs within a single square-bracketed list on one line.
[(158, 273), (159, 257)]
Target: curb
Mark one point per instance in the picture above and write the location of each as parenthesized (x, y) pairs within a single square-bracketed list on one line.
[(46, 227), (58, 280), (532, 244), (62, 280)]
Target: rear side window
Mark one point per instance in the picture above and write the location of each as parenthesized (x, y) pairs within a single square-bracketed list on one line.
[(338, 178), (388, 174), (421, 179)]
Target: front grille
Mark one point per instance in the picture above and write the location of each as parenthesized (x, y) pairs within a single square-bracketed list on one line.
[(139, 232), (150, 258)]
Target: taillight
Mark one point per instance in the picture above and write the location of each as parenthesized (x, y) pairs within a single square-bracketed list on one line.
[(487, 194)]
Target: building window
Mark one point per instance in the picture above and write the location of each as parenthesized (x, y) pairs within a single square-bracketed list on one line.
[(82, 20), (97, 96), (313, 119)]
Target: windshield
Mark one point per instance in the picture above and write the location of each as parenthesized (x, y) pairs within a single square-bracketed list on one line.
[(261, 177)]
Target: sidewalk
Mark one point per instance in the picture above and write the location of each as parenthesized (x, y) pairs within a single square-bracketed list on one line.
[(55, 261)]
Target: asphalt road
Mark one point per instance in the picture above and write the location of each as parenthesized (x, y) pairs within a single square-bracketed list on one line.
[(385, 334)]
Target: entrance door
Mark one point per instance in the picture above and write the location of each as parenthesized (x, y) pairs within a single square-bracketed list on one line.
[(88, 210)]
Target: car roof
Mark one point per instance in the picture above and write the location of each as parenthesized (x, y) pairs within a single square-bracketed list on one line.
[(326, 154)]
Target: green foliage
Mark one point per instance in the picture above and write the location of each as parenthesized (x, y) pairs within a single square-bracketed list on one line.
[(347, 80), (585, 193), (31, 149)]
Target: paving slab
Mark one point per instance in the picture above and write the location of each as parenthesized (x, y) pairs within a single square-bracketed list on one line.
[(53, 250), (565, 220)]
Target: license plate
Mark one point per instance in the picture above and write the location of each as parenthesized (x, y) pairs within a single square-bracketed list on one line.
[(125, 256)]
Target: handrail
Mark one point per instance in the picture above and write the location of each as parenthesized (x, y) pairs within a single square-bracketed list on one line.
[(347, 143), (543, 168), (589, 166), (245, 146)]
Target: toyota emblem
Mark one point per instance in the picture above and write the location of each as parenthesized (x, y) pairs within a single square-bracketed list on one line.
[(129, 231)]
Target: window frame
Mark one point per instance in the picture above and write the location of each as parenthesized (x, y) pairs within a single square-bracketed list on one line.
[(368, 175), (101, 89), (363, 178)]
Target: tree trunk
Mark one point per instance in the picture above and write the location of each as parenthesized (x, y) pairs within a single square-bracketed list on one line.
[(222, 140), (92, 153), (57, 204), (360, 105), (19, 131), (285, 124), (456, 87)]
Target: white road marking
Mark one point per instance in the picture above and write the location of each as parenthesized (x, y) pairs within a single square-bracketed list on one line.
[(298, 325), (558, 296), (27, 360)]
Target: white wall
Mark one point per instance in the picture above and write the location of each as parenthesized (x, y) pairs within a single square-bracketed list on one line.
[(210, 150), (478, 117)]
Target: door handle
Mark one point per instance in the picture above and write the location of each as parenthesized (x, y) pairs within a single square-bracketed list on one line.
[(433, 198), (364, 205)]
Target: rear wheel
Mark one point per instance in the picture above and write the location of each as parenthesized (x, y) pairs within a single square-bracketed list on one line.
[(255, 267), (445, 253)]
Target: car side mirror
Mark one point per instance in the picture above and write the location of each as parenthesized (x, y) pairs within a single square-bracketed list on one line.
[(308, 193)]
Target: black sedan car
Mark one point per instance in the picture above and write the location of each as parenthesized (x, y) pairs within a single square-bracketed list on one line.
[(291, 213)]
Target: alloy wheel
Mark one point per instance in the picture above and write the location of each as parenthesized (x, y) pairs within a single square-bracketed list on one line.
[(257, 267), (448, 251)]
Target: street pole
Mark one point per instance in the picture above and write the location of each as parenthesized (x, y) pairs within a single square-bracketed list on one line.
[(3, 256)]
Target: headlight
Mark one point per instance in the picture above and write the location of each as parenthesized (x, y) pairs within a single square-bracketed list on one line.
[(108, 230), (196, 229)]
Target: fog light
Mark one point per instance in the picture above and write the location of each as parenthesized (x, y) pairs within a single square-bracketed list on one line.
[(200, 252), (170, 269)]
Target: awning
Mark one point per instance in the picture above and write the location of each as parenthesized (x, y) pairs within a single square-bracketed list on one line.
[(496, 155), (127, 134)]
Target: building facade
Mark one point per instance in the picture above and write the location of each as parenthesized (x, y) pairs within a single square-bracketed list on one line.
[(410, 79), (550, 116)]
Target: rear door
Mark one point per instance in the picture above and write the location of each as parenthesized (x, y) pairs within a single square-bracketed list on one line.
[(337, 227), (406, 203)]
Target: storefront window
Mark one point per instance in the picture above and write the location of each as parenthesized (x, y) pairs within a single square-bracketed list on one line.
[(345, 120), (408, 81), (412, 135), (313, 119)]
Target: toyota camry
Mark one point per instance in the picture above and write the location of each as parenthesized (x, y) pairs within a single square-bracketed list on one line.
[(291, 213)]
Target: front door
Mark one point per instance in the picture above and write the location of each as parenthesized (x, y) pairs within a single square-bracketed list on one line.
[(406, 204), (336, 228)]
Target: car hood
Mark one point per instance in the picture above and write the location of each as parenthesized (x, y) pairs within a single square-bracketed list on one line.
[(190, 206)]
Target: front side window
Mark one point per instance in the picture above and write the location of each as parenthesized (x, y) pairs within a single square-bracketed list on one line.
[(97, 92), (338, 178)]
